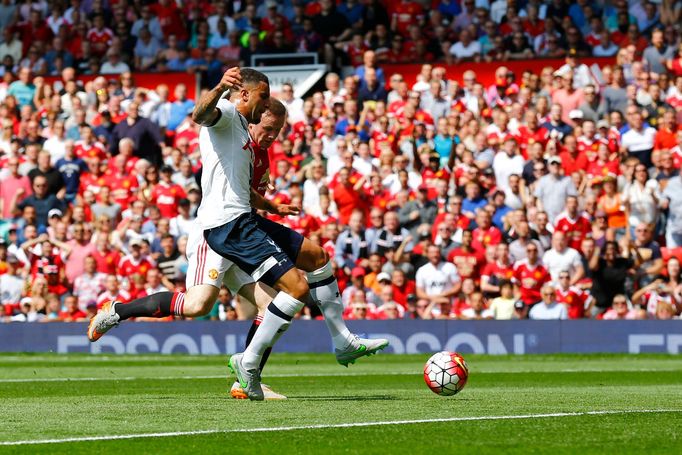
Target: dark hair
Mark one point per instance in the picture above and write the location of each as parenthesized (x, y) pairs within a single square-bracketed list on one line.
[(277, 108), (253, 77), (504, 283)]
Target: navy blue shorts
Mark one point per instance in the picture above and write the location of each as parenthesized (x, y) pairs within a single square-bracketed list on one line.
[(263, 249)]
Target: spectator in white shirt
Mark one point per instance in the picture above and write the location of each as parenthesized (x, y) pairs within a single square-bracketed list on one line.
[(465, 48), (548, 308), (507, 162), (562, 258), (437, 280), (638, 141)]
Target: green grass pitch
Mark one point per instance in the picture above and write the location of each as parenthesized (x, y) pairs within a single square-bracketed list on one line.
[(512, 404)]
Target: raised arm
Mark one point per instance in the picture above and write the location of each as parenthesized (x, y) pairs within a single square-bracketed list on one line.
[(205, 112)]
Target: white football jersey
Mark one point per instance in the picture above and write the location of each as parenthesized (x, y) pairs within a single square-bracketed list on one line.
[(227, 158)]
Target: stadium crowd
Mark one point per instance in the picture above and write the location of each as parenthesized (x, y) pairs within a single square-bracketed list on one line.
[(547, 195)]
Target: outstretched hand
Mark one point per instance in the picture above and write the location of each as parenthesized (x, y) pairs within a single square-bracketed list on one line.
[(231, 80), (288, 209)]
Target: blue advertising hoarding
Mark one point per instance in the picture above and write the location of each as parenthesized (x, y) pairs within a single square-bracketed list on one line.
[(481, 337)]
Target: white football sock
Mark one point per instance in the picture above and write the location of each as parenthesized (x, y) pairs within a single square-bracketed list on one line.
[(276, 320), (324, 290)]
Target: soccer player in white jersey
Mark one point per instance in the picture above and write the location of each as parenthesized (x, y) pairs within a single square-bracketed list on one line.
[(236, 233)]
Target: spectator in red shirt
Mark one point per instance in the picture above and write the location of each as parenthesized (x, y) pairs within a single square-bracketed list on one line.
[(349, 197), (468, 261), (71, 311), (167, 195), (530, 275)]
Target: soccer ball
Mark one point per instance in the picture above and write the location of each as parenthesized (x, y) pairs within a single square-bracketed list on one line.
[(446, 373)]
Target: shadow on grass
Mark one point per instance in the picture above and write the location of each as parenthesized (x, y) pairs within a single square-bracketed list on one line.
[(347, 398)]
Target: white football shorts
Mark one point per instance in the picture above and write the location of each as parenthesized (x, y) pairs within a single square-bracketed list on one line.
[(205, 266)]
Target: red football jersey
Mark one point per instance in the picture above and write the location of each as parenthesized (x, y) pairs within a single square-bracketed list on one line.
[(167, 198), (123, 189), (406, 14), (107, 262), (128, 266), (575, 229), (498, 270), (92, 183), (575, 299), (261, 169), (530, 280), (85, 151), (468, 265), (483, 238)]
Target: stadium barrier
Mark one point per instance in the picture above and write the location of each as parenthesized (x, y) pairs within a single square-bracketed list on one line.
[(481, 337)]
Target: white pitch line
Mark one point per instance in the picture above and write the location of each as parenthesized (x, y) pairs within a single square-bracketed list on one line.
[(314, 375), (333, 425)]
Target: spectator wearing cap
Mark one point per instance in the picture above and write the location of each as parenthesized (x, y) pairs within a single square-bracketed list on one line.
[(548, 308), (418, 214), (41, 200), (520, 311), (553, 189), (357, 279)]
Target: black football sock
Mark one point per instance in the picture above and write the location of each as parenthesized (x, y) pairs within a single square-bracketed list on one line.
[(157, 305), (264, 359)]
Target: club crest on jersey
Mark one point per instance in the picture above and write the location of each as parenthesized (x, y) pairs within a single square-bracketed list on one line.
[(213, 274)]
